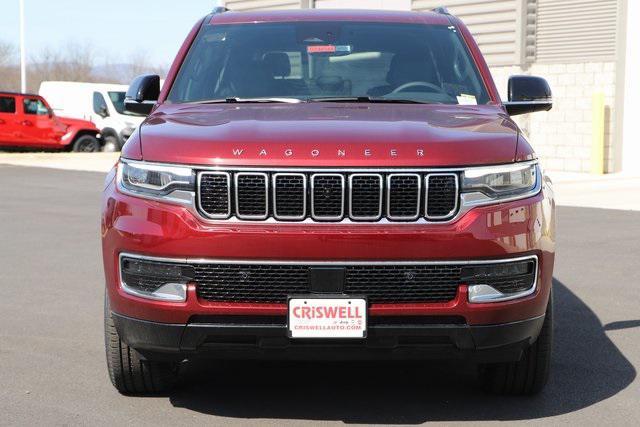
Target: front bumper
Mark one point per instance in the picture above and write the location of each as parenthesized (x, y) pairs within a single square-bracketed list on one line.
[(507, 230), (266, 338)]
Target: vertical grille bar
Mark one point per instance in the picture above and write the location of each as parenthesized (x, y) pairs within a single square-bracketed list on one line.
[(251, 190), (441, 201), (365, 196), (289, 196), (403, 196), (327, 197), (214, 195)]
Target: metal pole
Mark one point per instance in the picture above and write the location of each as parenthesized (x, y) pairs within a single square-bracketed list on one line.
[(23, 59)]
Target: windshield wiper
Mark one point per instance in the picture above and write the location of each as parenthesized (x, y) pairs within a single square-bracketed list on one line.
[(235, 100), (365, 99)]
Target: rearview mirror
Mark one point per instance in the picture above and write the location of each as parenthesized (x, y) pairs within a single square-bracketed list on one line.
[(528, 94), (142, 95)]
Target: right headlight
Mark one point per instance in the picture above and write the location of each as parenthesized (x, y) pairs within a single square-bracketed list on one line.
[(174, 184), (490, 184)]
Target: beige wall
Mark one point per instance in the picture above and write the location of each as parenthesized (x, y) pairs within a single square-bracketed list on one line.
[(562, 137), (631, 90), (364, 4)]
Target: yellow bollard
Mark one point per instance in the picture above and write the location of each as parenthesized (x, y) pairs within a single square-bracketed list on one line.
[(597, 141)]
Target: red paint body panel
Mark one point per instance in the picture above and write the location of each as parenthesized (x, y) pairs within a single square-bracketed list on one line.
[(146, 227), (369, 135)]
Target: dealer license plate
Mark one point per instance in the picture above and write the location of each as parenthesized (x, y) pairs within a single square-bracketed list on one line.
[(313, 317)]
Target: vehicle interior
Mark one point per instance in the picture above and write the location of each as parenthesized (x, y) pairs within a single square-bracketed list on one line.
[(423, 63)]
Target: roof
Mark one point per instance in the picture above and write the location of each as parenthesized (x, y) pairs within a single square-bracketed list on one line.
[(309, 15), (17, 93)]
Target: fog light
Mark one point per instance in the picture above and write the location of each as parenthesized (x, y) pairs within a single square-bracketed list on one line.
[(484, 293), (504, 281), (172, 292), (155, 279)]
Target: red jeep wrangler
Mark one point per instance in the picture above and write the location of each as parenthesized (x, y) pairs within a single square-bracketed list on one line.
[(329, 184), (27, 121)]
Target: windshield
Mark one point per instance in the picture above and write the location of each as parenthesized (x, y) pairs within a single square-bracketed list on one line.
[(314, 60), (117, 98)]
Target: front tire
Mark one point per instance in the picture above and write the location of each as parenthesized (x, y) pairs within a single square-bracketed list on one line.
[(530, 374), (86, 144), (129, 371)]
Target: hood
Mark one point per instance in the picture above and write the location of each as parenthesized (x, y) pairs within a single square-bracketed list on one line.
[(329, 134), (78, 123)]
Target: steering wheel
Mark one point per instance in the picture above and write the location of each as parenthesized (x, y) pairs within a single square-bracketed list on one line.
[(404, 87)]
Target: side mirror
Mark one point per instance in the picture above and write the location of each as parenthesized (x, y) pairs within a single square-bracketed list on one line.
[(142, 95), (50, 113), (104, 112), (528, 94)]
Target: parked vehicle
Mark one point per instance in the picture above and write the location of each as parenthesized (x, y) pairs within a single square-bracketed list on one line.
[(329, 184), (26, 120), (103, 104)]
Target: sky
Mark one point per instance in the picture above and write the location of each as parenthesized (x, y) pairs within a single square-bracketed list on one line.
[(116, 30)]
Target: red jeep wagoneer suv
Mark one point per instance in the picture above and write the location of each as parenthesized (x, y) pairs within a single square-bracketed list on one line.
[(329, 184)]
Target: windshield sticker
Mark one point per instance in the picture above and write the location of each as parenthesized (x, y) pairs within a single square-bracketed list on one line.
[(465, 99), (329, 49)]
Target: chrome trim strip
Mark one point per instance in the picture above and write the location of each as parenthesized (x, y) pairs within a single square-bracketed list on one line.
[(266, 195), (188, 260), (426, 196), (323, 170), (274, 179), (327, 218), (199, 195), (418, 204), (381, 193)]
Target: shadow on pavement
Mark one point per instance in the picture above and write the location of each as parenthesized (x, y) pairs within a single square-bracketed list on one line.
[(587, 368)]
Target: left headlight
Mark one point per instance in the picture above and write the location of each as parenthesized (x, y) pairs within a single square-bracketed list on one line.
[(501, 183), (154, 181)]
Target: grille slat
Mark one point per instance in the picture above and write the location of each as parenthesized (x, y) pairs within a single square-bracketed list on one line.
[(330, 197), (289, 196), (404, 196), (215, 195), (365, 197), (442, 195), (327, 197), (251, 195)]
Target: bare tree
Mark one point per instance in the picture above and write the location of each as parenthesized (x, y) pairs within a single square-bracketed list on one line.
[(6, 53), (9, 72), (73, 63), (126, 70)]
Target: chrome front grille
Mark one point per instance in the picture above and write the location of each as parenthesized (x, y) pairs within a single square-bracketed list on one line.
[(328, 196), (289, 196), (251, 191), (365, 197)]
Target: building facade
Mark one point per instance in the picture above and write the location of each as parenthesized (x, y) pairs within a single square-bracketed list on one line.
[(587, 49)]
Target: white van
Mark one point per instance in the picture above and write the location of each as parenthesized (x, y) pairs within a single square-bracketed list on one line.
[(103, 104)]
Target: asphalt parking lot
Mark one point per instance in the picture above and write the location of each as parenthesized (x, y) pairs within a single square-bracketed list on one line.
[(52, 367)]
